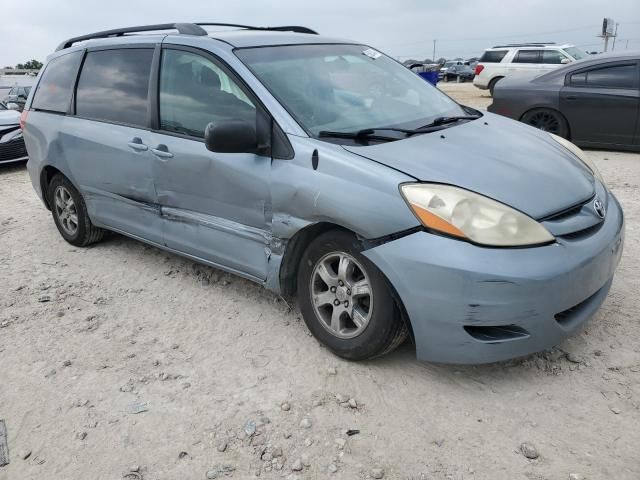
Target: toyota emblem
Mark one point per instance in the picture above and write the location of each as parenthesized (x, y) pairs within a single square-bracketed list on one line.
[(598, 206)]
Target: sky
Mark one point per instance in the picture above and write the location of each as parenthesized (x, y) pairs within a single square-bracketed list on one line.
[(31, 29)]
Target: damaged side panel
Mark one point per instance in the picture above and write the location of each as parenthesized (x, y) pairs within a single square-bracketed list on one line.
[(215, 206), (346, 190), (343, 190)]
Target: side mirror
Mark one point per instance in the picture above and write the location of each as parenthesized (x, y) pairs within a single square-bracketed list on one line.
[(12, 106), (231, 136), (565, 61)]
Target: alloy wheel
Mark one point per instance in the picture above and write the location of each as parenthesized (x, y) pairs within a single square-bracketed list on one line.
[(545, 121), (66, 210), (341, 295)]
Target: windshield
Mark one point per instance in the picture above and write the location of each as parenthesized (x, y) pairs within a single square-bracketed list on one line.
[(576, 53), (346, 87)]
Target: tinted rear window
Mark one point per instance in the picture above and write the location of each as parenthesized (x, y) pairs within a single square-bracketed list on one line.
[(618, 76), (493, 56), (114, 86), (56, 85)]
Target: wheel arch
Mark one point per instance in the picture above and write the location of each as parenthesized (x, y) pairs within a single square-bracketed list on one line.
[(46, 175), (295, 249)]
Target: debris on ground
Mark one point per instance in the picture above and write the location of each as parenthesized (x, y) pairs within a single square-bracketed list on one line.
[(137, 407), (250, 427), (305, 423), (377, 473), (529, 451)]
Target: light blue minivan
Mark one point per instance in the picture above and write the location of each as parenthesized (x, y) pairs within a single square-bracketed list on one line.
[(323, 168)]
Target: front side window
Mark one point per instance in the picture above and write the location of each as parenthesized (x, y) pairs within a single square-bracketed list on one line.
[(552, 56), (114, 85), (346, 87), (528, 56), (56, 85), (576, 53), (194, 92)]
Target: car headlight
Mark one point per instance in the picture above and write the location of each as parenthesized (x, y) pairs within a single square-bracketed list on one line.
[(577, 151), (464, 214)]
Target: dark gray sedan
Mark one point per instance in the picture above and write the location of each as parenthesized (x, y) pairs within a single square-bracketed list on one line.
[(594, 102)]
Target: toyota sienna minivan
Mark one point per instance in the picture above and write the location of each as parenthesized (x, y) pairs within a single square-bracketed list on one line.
[(323, 168)]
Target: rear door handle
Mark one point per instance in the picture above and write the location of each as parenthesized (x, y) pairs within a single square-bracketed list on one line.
[(571, 97), (137, 145), (162, 152)]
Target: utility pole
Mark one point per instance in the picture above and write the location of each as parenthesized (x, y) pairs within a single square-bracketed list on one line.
[(609, 30), (434, 52), (615, 34)]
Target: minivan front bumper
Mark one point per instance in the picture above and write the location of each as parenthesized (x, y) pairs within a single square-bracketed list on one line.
[(470, 304)]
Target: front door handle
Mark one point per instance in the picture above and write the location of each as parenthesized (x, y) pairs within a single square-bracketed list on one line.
[(571, 97), (137, 145), (162, 152)]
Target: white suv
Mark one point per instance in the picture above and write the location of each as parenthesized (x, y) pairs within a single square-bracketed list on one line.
[(525, 59)]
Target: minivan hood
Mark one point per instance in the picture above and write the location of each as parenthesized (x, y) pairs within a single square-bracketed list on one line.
[(9, 117), (494, 156)]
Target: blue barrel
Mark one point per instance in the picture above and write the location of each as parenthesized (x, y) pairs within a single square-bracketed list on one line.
[(431, 77)]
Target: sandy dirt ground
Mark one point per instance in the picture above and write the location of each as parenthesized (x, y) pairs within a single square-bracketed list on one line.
[(121, 361)]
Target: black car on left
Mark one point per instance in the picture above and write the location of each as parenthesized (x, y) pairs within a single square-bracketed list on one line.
[(458, 73)]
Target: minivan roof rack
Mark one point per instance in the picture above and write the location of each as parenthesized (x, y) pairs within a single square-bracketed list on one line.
[(531, 44), (183, 28), (288, 28)]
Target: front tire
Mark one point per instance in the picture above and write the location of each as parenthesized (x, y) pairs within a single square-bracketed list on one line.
[(70, 213), (345, 300)]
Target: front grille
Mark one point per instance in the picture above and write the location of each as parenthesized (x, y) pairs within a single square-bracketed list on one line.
[(13, 150), (574, 223), (580, 234)]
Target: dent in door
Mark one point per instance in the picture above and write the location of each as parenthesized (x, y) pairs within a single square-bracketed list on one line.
[(235, 242)]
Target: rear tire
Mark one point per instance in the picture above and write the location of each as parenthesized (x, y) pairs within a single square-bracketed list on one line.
[(346, 301), (547, 120), (492, 84), (70, 213)]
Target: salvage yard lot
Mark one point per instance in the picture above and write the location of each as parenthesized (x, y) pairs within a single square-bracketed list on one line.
[(90, 336)]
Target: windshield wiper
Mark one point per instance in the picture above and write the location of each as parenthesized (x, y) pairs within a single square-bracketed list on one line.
[(365, 134), (370, 133), (444, 120)]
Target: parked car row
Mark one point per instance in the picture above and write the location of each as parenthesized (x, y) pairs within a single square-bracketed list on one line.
[(12, 147), (458, 73), (18, 95)]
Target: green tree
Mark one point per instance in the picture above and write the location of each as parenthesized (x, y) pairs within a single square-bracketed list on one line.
[(30, 65)]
